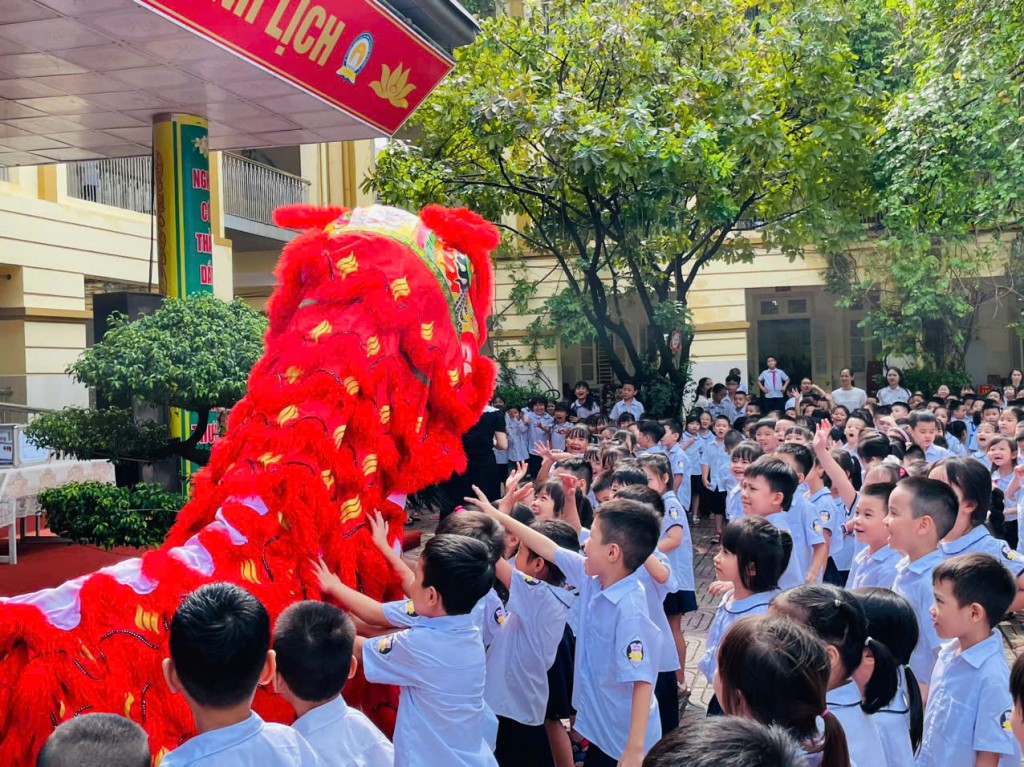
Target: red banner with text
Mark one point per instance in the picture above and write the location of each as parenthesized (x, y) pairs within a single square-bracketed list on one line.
[(354, 54)]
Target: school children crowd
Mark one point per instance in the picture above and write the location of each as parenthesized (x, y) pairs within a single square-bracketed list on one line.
[(867, 556)]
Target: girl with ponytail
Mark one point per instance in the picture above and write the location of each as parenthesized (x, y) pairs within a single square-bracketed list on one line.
[(838, 620), (776, 671), (892, 621)]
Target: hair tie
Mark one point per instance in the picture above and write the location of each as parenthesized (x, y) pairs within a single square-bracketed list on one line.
[(838, 604), (868, 641), (825, 712)]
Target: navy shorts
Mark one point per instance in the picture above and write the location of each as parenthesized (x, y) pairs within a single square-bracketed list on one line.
[(680, 603), (560, 677), (716, 502)]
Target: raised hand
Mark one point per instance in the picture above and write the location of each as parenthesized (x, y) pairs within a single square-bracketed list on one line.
[(379, 530), (329, 582), (480, 502), (822, 436)]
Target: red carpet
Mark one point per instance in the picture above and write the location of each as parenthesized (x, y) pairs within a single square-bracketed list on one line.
[(44, 563)]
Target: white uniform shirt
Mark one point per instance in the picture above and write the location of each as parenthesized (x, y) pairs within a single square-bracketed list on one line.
[(862, 736), (634, 408), (774, 382), (717, 461), (893, 723), (844, 557), (517, 431), (694, 453), (935, 453), (969, 707), (729, 611), (877, 569), (524, 648), (344, 737), (914, 581), (795, 573), (679, 462), (852, 400), (558, 432), (243, 745), (981, 541), (534, 432), (887, 395), (680, 559), (616, 645), (668, 657), (439, 664), (805, 526), (825, 506)]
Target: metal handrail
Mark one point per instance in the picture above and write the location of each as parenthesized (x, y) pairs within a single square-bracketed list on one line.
[(121, 182), (11, 412), (253, 190)]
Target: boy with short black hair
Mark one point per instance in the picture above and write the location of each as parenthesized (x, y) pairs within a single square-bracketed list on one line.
[(924, 428), (715, 473), (922, 511), (96, 740), (649, 439), (313, 642), (561, 426), (811, 532), (968, 716), (767, 491), (219, 652), (678, 460), (615, 650), (628, 404), (726, 741), (438, 662), (526, 646), (628, 474)]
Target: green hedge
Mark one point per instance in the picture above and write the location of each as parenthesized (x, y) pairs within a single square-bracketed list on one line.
[(109, 516)]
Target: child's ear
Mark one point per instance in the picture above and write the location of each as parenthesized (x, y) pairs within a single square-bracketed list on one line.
[(978, 612), (269, 668), (614, 552), (171, 676), (353, 666)]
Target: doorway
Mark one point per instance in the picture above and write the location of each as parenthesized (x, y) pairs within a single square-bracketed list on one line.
[(789, 342)]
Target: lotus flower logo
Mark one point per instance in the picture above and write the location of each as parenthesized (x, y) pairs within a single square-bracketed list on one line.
[(393, 86)]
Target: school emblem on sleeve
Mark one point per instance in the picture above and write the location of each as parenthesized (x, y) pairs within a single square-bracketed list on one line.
[(1009, 553), (816, 526), (410, 609), (385, 643), (530, 580), (826, 516), (500, 615), (1004, 720), (635, 651), (673, 513)]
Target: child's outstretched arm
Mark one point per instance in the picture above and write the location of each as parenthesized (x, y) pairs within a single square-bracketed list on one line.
[(379, 530), (570, 513), (365, 608), (657, 569), (841, 482), (536, 542), (671, 540)]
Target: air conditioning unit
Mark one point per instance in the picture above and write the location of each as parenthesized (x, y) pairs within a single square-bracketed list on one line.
[(15, 449)]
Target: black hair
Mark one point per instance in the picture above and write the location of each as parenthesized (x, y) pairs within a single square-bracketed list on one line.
[(746, 451), (313, 642), (634, 527), (476, 524), (643, 494), (922, 416), (625, 417), (553, 487), (718, 388), (562, 407), (780, 670), (801, 454), (96, 740), (958, 429), (931, 498), (219, 639), (673, 425), (892, 620), (880, 490), (629, 475), (659, 463), (974, 482), (561, 533), (522, 513), (722, 418), (631, 381), (603, 482), (537, 401), (836, 616), (760, 547), (1017, 681), (577, 467), (578, 432), (764, 423), (873, 446), (778, 475), (693, 418), (725, 741), (460, 568), (732, 440), (979, 578), (652, 429)]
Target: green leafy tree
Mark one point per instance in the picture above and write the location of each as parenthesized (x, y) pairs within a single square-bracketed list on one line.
[(634, 143), (193, 353), (949, 179)]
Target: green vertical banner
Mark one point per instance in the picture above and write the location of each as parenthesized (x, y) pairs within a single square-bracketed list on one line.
[(181, 149)]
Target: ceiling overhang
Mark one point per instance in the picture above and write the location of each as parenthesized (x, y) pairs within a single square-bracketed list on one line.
[(82, 79)]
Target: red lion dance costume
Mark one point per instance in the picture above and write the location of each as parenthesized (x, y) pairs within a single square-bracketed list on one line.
[(371, 374)]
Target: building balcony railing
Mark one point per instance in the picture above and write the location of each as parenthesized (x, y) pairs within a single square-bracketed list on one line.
[(253, 191), (122, 182)]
